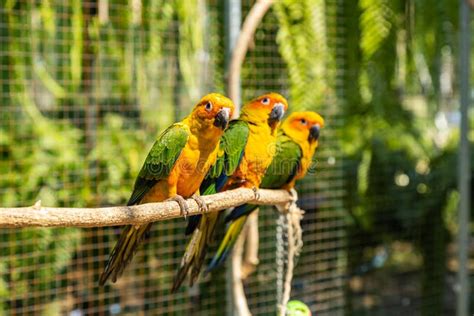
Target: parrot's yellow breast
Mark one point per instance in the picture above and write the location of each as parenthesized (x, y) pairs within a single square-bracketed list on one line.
[(258, 154), (189, 170), (306, 159), (193, 165)]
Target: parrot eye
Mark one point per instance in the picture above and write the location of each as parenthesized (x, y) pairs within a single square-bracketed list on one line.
[(265, 101), (303, 121), (208, 106)]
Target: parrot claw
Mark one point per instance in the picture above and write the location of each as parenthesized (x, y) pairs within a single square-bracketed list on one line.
[(255, 192), (203, 208), (182, 204)]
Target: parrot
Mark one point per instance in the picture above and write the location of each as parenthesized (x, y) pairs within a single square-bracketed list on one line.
[(297, 308), (245, 152), (296, 144), (173, 170)]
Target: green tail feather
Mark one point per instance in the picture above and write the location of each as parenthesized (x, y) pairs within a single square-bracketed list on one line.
[(227, 244), (196, 250), (123, 252)]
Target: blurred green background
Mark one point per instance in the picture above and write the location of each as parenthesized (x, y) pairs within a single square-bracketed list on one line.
[(85, 87)]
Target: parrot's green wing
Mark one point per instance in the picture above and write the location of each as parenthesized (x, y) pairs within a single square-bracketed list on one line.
[(160, 160), (232, 147), (281, 171), (285, 164), (231, 150)]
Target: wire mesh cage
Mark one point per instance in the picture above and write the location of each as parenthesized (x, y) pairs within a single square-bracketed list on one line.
[(86, 86)]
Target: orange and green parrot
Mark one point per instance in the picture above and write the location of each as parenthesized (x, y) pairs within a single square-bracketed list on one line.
[(174, 169), (296, 143), (246, 150)]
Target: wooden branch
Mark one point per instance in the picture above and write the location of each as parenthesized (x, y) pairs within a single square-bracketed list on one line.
[(103, 12), (39, 216), (250, 259), (241, 307)]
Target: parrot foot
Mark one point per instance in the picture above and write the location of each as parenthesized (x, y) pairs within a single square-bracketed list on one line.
[(183, 206), (255, 192), (203, 208)]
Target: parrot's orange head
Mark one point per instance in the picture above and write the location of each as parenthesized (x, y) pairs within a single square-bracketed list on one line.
[(213, 112), (303, 126), (269, 107)]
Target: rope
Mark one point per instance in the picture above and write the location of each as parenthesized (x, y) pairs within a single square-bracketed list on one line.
[(288, 249), (280, 255)]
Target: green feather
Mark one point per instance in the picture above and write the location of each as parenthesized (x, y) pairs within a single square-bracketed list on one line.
[(233, 143), (232, 146), (160, 160), (158, 164), (285, 164), (281, 171)]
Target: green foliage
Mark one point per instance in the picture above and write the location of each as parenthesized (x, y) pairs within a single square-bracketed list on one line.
[(376, 20), (119, 156), (394, 72), (68, 69), (59, 141), (383, 138), (303, 44), (36, 164), (39, 254), (191, 18)]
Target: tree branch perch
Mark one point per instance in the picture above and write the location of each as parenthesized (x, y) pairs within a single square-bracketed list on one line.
[(39, 216)]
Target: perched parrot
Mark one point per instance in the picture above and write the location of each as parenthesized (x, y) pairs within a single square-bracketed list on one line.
[(246, 150), (296, 143), (174, 169)]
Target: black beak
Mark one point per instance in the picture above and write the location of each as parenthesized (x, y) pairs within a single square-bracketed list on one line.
[(276, 114), (222, 118), (314, 133)]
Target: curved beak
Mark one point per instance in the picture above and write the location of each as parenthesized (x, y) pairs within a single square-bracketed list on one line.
[(277, 113), (222, 118), (314, 133)]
